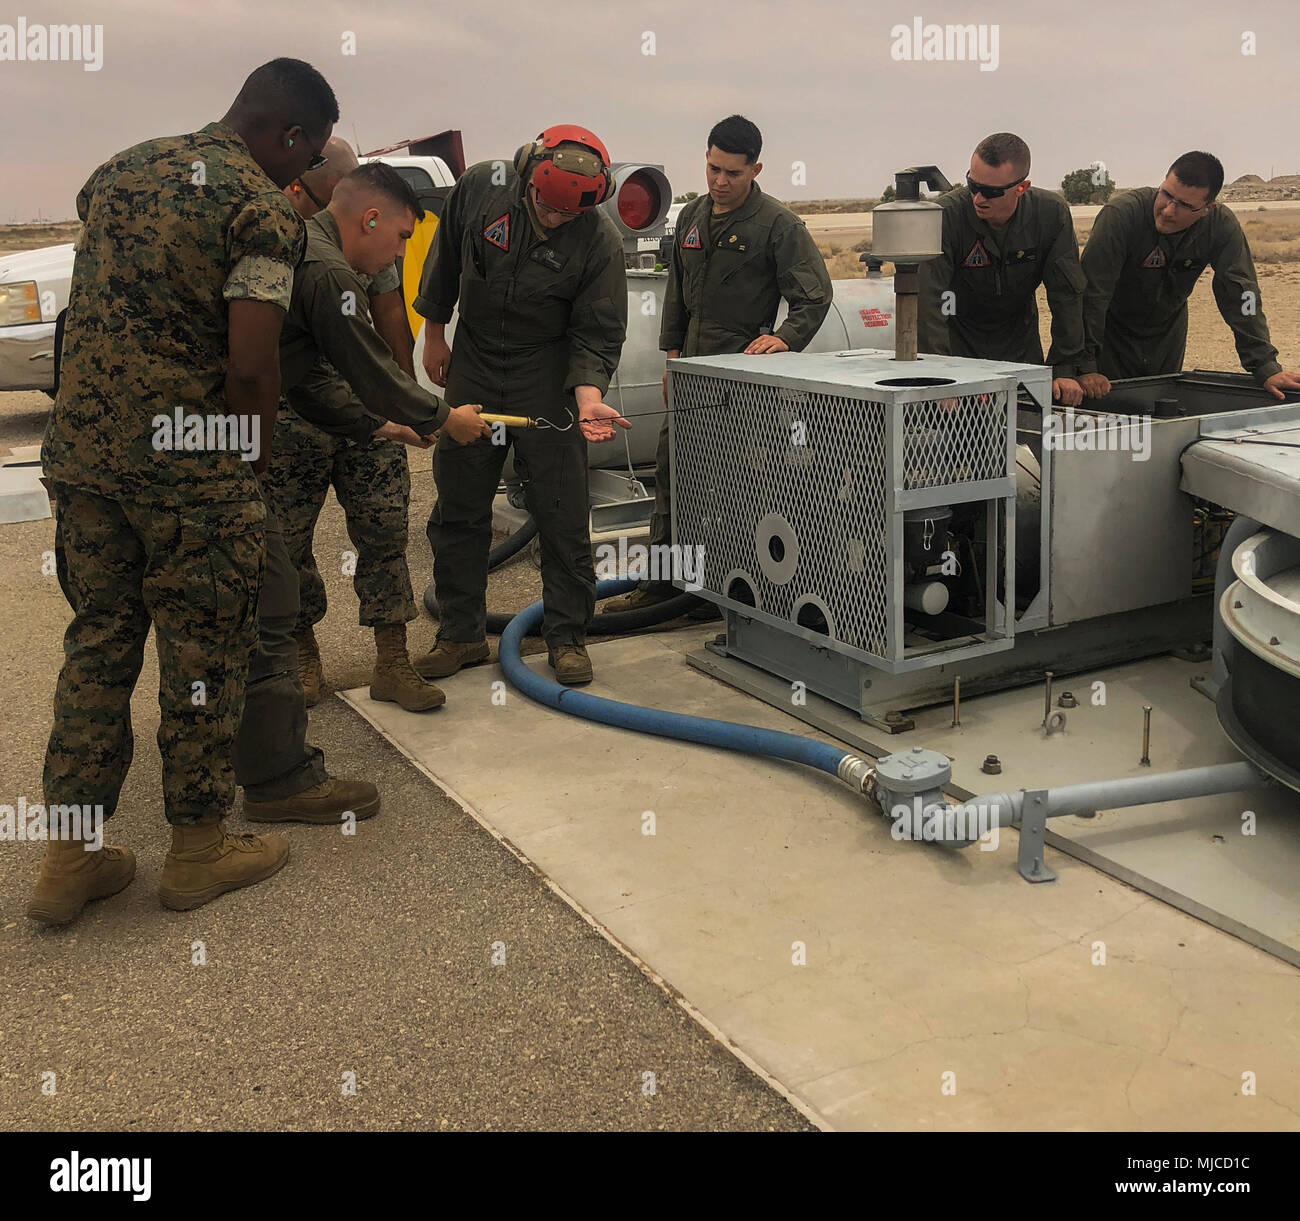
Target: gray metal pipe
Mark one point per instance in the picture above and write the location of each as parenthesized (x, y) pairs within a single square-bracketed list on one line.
[(1003, 809)]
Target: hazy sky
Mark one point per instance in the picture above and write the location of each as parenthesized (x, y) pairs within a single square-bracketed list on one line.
[(1132, 84)]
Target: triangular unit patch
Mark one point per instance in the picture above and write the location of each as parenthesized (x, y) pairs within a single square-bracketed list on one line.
[(978, 257), (692, 240), (498, 232), (1155, 259)]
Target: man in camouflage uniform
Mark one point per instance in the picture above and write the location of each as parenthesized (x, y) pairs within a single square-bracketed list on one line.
[(1002, 238), (340, 375), (373, 484), (536, 273), (1146, 251), (736, 254), (168, 386)]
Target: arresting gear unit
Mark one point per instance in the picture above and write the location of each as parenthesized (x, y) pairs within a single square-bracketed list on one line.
[(875, 524)]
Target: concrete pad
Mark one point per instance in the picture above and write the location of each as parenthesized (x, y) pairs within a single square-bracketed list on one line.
[(1192, 853), (881, 984), (22, 494)]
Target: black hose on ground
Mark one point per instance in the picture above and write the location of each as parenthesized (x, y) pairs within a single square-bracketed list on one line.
[(615, 623), (513, 545), (612, 624)]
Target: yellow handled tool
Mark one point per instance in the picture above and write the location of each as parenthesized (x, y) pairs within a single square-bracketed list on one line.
[(510, 421)]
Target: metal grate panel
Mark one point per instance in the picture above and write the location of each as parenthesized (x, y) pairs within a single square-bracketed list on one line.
[(954, 440), (792, 490), (750, 451)]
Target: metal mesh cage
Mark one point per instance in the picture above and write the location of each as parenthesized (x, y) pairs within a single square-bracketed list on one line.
[(790, 491)]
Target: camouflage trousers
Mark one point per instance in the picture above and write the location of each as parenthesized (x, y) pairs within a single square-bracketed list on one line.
[(373, 484), (194, 575)]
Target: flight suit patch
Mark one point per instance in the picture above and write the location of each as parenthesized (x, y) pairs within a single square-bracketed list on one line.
[(498, 232), (1026, 255), (978, 257), (692, 240), (548, 258), (1155, 259)]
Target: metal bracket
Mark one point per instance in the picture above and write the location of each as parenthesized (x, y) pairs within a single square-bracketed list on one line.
[(1033, 829)]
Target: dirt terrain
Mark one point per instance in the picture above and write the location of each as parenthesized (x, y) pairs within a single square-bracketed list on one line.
[(1274, 236)]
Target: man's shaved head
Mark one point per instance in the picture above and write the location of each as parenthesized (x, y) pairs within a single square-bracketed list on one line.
[(340, 161)]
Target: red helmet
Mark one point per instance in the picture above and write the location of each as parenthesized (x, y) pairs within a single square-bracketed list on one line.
[(573, 173)]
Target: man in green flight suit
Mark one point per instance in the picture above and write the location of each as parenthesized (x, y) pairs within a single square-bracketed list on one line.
[(339, 375), (736, 254), (373, 484), (163, 420), (1002, 238), (536, 273), (1146, 251)]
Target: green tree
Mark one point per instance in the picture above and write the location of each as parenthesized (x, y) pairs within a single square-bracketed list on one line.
[(888, 195), (1091, 185), (687, 197)]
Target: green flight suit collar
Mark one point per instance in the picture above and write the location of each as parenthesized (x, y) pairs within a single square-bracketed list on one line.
[(1007, 235), (753, 202)]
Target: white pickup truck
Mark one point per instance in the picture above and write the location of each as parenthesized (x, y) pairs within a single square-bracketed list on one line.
[(33, 292)]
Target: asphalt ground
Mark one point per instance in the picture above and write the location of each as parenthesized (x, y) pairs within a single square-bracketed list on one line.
[(356, 989)]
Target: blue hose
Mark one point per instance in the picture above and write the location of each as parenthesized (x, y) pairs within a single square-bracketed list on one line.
[(727, 734)]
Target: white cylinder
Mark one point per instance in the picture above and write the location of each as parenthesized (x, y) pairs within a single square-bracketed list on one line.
[(928, 597)]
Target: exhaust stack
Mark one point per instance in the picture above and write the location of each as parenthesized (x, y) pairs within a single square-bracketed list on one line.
[(908, 232)]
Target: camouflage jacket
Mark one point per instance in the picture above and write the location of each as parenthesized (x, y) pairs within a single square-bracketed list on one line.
[(725, 285), (174, 229)]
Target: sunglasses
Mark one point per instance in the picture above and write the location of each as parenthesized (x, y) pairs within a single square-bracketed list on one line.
[(978, 188), (317, 161), (310, 193)]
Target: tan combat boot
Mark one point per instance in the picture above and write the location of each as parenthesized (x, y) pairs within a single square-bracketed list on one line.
[(206, 861), (395, 680), (640, 598), (310, 671), (70, 877), (448, 656), (571, 664), (329, 802)]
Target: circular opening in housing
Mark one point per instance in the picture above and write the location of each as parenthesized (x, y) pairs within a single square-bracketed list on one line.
[(916, 381), (740, 590), (776, 548), (810, 616)]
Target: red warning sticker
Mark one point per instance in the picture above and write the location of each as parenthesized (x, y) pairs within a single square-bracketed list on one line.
[(873, 317)]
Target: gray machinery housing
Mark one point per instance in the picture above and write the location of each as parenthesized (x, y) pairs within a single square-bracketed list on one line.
[(874, 528)]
